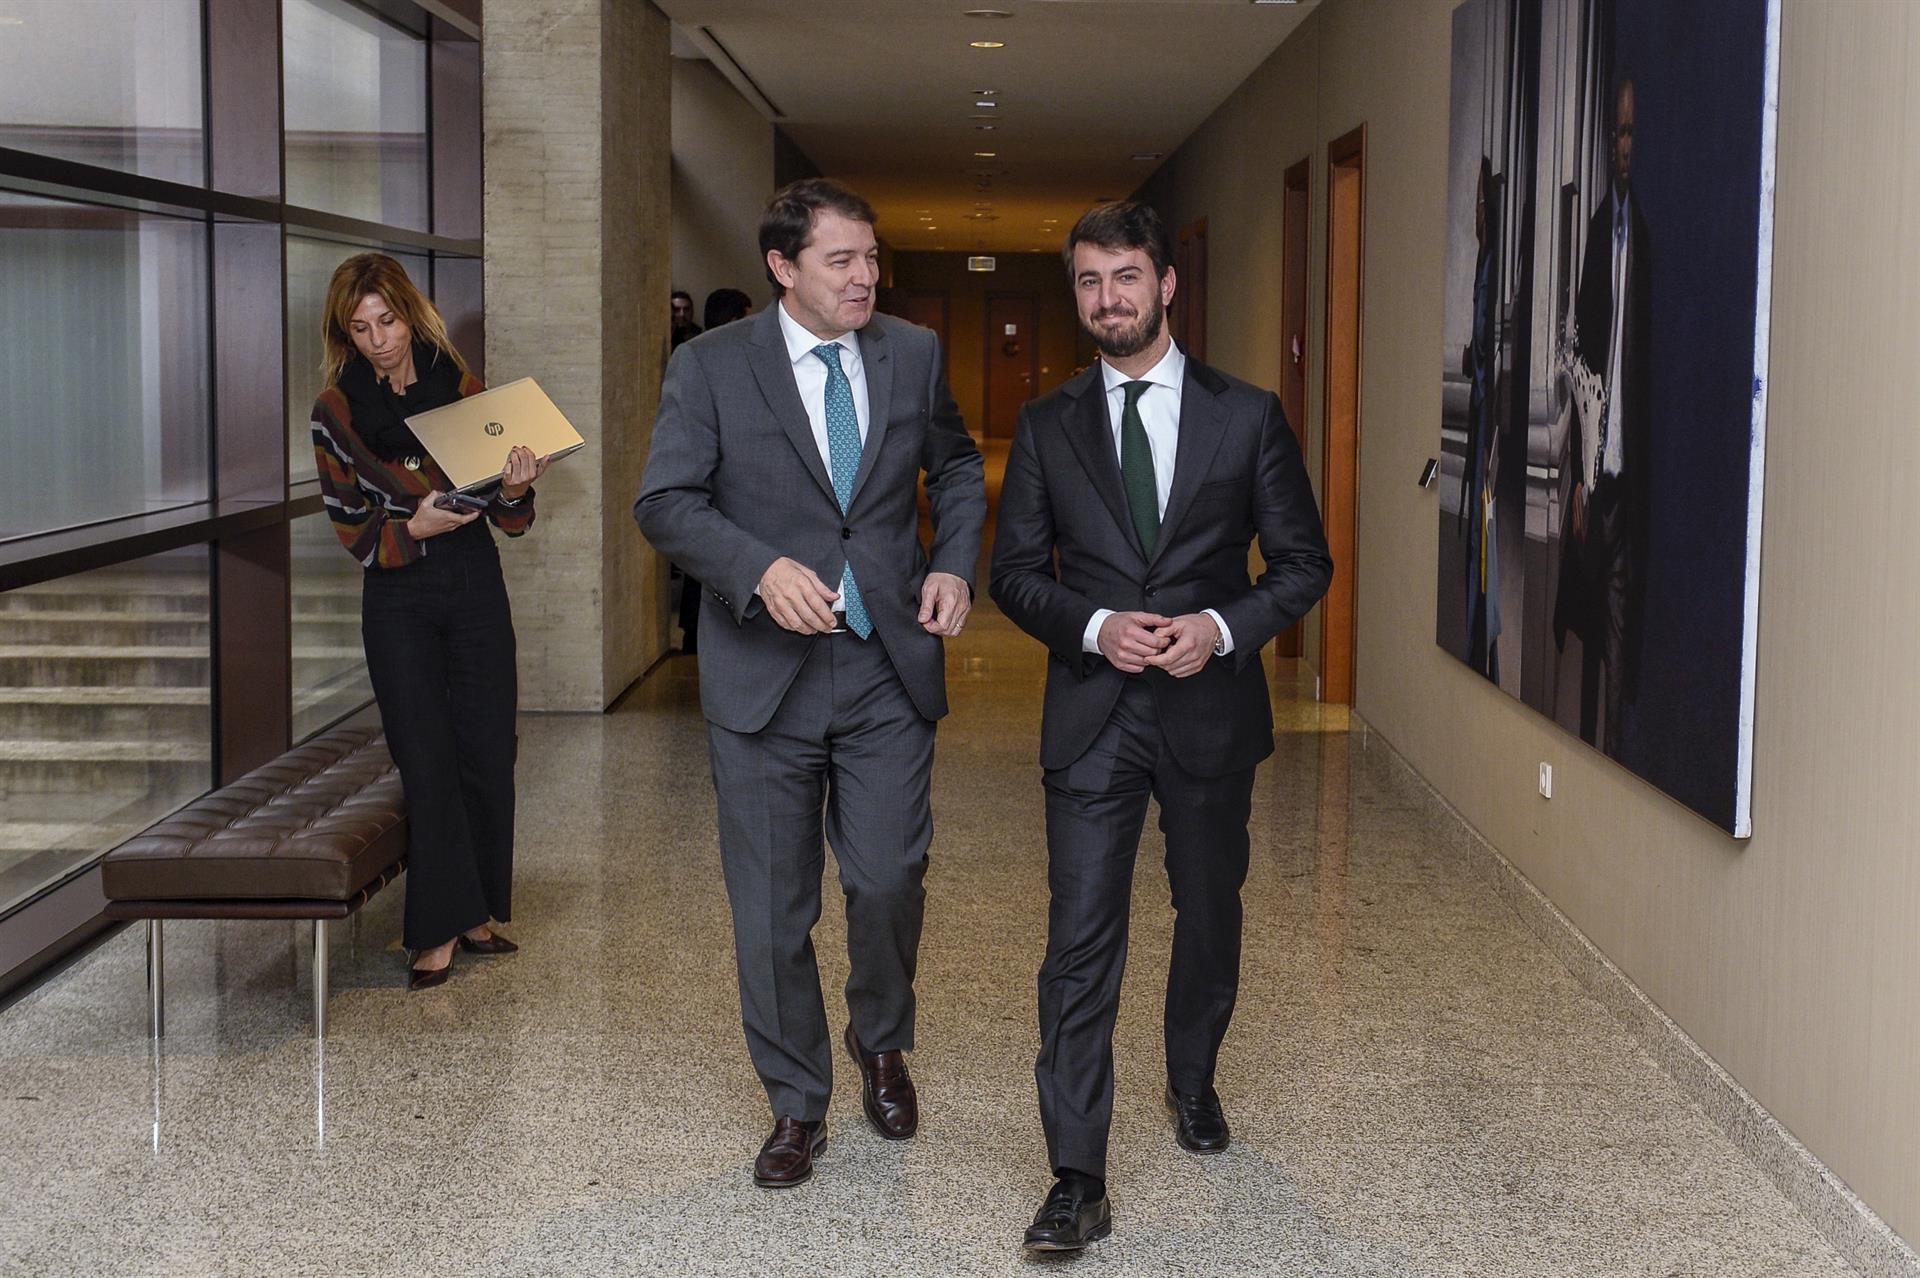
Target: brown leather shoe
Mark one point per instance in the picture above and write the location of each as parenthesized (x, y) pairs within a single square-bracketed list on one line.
[(786, 1159), (886, 1091)]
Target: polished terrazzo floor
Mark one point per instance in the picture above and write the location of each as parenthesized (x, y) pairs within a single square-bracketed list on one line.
[(1417, 1087)]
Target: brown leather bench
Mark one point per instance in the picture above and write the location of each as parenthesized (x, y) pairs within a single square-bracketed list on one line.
[(312, 835)]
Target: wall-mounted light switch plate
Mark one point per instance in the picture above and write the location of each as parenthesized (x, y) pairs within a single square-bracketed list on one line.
[(1546, 780)]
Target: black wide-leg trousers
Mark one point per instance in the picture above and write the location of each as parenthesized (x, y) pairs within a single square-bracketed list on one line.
[(440, 653), (1096, 807)]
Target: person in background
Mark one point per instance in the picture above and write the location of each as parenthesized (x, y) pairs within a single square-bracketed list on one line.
[(683, 325), (724, 306), (434, 612)]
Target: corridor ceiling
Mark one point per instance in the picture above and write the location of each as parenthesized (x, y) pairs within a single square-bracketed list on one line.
[(884, 94)]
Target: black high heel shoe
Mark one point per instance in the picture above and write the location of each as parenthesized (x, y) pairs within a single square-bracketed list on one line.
[(425, 978), (495, 944)]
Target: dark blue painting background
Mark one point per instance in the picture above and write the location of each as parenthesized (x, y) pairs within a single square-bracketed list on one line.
[(1699, 80)]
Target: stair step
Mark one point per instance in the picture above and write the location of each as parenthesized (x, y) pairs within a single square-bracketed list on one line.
[(104, 752), (17, 837)]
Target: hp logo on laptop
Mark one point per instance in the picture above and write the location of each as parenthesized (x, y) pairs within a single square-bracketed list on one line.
[(495, 428)]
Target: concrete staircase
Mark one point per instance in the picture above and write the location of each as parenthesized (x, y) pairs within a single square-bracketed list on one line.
[(105, 705)]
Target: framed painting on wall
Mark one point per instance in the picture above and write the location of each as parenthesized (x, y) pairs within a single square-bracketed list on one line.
[(1608, 265)]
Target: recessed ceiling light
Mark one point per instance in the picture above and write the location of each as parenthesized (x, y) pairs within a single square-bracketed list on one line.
[(987, 44), (987, 13), (986, 93), (986, 104), (984, 128), (985, 155)]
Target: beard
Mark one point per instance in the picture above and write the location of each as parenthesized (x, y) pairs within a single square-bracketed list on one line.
[(1128, 340)]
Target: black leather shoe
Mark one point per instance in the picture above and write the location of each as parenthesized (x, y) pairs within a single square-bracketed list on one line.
[(424, 978), (1068, 1221), (886, 1090), (1198, 1123), (495, 944), (787, 1157)]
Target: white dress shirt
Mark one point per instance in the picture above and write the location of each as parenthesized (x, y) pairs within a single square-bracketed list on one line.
[(810, 377), (1159, 407)]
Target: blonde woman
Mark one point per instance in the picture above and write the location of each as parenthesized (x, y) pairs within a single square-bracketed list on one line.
[(434, 615)]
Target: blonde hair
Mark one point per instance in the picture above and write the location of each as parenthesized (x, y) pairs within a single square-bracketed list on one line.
[(377, 273)]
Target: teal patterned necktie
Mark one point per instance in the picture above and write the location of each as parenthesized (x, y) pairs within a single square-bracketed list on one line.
[(1136, 469), (843, 454)]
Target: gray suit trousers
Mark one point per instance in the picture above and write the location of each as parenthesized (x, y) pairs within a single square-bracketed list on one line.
[(846, 744)]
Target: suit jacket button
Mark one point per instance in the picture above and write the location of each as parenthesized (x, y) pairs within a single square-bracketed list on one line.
[(1152, 591), (846, 534)]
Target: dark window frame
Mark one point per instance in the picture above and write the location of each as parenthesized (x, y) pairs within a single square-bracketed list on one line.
[(252, 501)]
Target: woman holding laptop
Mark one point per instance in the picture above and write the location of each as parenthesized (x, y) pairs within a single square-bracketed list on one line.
[(434, 613)]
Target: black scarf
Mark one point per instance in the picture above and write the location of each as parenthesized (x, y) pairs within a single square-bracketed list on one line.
[(380, 415)]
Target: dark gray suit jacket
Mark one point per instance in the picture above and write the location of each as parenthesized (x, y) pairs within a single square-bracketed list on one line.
[(735, 481), (1237, 476)]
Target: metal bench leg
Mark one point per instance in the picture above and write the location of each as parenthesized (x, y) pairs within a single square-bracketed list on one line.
[(320, 978), (156, 978)]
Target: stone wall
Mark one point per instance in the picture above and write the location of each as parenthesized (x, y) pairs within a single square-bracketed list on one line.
[(576, 96)]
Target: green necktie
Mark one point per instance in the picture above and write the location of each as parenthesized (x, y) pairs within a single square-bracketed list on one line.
[(1136, 469)]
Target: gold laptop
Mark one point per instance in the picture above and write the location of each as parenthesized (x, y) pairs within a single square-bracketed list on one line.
[(470, 438)]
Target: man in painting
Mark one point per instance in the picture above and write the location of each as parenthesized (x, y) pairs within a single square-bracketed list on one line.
[(1603, 536)]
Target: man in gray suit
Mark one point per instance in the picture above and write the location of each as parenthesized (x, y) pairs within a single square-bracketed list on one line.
[(784, 474), (1132, 495)]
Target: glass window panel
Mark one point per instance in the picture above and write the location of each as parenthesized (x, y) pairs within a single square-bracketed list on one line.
[(356, 113), (105, 719), (310, 264), (108, 82), (104, 363), (329, 660)]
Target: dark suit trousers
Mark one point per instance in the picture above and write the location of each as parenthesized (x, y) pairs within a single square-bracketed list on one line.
[(440, 653), (846, 745), (1095, 809), (1603, 646)]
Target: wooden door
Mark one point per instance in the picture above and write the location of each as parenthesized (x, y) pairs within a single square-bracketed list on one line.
[(1295, 213), (1190, 296), (1011, 359), (1339, 494), (928, 308)]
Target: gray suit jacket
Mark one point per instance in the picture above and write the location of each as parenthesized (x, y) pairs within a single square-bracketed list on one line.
[(735, 481)]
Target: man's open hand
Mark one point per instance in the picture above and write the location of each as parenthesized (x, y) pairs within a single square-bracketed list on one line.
[(945, 603)]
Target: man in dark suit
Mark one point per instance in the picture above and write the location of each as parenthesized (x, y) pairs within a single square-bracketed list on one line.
[(1132, 494), (1603, 539), (786, 461)]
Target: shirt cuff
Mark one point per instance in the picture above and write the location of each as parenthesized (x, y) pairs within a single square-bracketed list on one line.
[(1224, 644), (1090, 641)]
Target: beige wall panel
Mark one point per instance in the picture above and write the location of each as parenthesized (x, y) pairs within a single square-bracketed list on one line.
[(565, 245), (636, 212), (722, 176), (1792, 958)]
